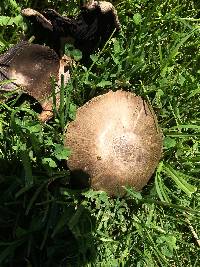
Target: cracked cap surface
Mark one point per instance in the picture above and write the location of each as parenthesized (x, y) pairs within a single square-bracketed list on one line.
[(115, 140)]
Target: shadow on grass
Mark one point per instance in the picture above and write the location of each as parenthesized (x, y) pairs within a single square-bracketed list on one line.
[(45, 224)]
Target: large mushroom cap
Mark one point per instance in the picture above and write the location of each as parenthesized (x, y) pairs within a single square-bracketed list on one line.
[(30, 67), (115, 141)]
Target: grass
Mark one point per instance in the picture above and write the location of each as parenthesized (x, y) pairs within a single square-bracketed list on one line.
[(43, 221)]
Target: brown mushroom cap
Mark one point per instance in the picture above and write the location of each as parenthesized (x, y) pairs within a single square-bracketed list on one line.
[(30, 67), (115, 141)]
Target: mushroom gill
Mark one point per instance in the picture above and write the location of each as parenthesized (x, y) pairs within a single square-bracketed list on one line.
[(115, 141)]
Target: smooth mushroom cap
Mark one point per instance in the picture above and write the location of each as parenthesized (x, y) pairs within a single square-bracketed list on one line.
[(115, 141), (31, 67)]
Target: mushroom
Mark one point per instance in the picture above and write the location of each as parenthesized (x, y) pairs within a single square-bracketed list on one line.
[(115, 142), (98, 20), (91, 29), (30, 68)]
